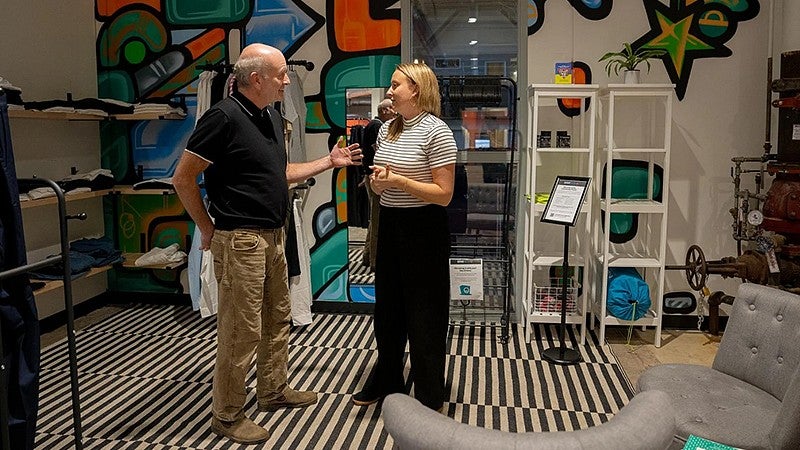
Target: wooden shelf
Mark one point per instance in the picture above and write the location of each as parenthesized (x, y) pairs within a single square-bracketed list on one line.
[(148, 116), (69, 198), (129, 190), (61, 115), (130, 260), (31, 114), (55, 284)]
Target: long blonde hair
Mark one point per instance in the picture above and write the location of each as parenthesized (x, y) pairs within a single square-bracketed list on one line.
[(428, 98)]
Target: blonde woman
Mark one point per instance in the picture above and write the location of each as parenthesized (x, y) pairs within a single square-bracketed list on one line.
[(413, 174)]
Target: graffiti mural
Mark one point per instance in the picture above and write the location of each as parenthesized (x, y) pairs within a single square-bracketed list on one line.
[(686, 29), (693, 29), (154, 51), (590, 9), (364, 44)]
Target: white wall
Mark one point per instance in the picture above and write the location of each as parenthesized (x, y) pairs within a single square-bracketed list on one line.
[(48, 49), (720, 117)]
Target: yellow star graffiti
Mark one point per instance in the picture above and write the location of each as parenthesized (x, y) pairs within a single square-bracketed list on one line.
[(676, 39)]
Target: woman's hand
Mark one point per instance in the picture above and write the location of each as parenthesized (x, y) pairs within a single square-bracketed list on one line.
[(383, 178)]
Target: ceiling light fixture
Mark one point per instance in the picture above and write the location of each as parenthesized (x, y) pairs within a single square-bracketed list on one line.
[(473, 42), (472, 19)]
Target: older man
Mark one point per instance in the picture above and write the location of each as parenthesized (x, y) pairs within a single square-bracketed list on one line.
[(239, 145)]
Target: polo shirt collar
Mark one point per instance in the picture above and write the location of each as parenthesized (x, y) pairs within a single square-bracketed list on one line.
[(247, 106)]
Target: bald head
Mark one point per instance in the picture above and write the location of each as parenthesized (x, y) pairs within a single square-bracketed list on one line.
[(385, 110), (259, 58), (261, 74)]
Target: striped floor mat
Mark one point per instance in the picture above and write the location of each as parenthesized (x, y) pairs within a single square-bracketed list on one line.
[(145, 382)]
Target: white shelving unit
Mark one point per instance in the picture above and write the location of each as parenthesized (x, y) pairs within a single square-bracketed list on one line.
[(543, 242), (636, 122)]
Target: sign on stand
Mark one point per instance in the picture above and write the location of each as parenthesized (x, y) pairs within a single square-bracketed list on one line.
[(466, 279)]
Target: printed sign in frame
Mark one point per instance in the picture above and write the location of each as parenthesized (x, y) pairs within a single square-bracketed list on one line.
[(566, 200)]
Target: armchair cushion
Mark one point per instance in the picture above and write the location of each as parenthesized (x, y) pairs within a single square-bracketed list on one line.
[(750, 397), (644, 423), (711, 404)]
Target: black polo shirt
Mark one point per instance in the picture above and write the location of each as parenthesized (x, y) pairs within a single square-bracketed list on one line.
[(246, 181)]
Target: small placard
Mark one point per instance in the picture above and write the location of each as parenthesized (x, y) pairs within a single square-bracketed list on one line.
[(566, 200), (796, 132), (466, 279)]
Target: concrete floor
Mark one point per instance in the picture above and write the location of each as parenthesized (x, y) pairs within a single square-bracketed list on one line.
[(677, 346)]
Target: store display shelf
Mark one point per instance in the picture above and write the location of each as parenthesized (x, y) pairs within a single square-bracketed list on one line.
[(148, 116), (638, 90), (574, 318), (76, 116), (129, 190), (538, 208), (553, 259), (631, 260), (55, 284), (130, 262), (650, 319), (476, 156), (618, 205), (563, 149), (69, 198), (616, 150)]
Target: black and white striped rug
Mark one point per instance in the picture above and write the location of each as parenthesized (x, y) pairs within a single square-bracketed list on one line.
[(145, 381)]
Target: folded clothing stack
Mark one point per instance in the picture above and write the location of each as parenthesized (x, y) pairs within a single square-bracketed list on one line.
[(13, 94), (83, 255), (154, 183), (100, 249), (160, 256), (102, 107), (97, 179), (159, 108)]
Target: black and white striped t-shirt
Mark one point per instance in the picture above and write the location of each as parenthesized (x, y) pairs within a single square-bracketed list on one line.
[(425, 143)]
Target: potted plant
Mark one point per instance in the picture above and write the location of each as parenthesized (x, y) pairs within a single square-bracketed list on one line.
[(628, 59)]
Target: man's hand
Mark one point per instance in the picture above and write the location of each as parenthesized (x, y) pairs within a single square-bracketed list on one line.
[(205, 238), (346, 156)]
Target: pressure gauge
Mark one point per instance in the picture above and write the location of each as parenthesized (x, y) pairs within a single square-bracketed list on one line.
[(755, 217)]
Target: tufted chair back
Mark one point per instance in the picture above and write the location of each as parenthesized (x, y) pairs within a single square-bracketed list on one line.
[(761, 346)]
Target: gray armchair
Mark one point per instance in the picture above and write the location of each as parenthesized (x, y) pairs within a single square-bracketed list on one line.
[(645, 423), (750, 397)]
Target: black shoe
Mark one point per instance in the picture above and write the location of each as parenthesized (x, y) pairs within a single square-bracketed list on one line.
[(366, 397)]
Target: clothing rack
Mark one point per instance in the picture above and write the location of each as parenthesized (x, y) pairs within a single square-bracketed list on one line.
[(301, 62), (459, 93), (22, 270), (226, 67)]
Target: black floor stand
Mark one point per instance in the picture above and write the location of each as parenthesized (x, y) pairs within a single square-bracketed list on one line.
[(562, 354)]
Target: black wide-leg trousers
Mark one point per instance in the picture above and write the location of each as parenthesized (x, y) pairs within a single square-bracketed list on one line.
[(412, 290)]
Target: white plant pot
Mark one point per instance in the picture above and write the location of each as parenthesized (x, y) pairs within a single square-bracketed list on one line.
[(632, 76)]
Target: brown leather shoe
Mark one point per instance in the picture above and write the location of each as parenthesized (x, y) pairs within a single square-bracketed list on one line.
[(243, 431), (289, 399)]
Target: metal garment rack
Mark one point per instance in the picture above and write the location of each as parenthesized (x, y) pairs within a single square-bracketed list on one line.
[(226, 67), (487, 91), (63, 258)]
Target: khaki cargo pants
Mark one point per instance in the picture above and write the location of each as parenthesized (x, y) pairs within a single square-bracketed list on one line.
[(253, 317)]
